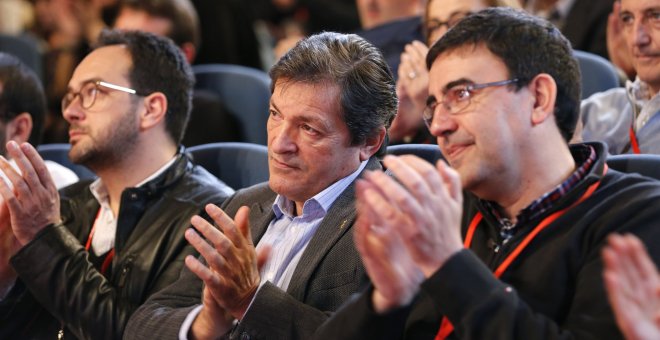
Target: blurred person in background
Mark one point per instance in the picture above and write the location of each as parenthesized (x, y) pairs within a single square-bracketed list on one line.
[(413, 82)]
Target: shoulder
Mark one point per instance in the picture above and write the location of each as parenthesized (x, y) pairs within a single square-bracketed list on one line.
[(615, 98), (198, 185)]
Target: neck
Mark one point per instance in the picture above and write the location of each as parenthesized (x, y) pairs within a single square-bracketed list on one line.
[(133, 169), (540, 174)]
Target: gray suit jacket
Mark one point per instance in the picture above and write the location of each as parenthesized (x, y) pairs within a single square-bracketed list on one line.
[(329, 271)]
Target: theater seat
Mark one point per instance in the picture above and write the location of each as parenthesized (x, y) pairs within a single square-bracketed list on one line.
[(429, 152), (598, 74), (239, 165), (644, 164), (59, 153)]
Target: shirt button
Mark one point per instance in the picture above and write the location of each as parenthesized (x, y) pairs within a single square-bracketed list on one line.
[(133, 196), (245, 336)]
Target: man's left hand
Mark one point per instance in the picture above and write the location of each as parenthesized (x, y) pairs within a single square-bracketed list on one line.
[(232, 275)]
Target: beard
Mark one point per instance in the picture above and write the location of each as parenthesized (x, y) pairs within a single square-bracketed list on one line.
[(108, 146)]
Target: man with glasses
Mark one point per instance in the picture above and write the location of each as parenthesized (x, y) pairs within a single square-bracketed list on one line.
[(88, 257), (390, 25), (518, 254), (627, 118)]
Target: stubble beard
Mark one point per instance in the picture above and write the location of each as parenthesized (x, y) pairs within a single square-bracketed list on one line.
[(109, 147)]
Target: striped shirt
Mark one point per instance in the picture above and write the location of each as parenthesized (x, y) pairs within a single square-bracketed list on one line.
[(289, 235)]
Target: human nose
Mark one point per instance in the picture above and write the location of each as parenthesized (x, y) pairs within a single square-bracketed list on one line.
[(282, 139), (72, 110), (640, 31), (442, 121)]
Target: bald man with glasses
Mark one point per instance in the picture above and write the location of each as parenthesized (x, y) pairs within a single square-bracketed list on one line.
[(87, 257)]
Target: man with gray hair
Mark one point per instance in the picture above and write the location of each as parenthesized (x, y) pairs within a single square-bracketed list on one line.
[(333, 100)]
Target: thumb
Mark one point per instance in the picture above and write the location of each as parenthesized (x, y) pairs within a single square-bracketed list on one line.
[(262, 256)]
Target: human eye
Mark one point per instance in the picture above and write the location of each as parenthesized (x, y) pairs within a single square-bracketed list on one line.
[(274, 114), (432, 26), (654, 17), (89, 90), (458, 94), (455, 18), (626, 18), (310, 130)]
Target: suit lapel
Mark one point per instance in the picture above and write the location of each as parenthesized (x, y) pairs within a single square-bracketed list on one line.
[(338, 221), (261, 214)]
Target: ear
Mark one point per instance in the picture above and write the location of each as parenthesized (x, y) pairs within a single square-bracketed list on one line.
[(189, 51), (544, 89), (372, 144), (19, 128), (155, 107)]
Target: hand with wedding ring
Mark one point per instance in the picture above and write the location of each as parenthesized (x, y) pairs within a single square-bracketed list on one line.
[(412, 90)]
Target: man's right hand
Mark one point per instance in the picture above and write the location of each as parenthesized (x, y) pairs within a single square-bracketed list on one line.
[(8, 247)]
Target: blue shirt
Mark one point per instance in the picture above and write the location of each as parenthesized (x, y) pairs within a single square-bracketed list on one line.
[(289, 235)]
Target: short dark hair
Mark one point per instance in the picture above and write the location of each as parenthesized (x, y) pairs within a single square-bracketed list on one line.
[(181, 13), (367, 90), (21, 91), (528, 46), (158, 66)]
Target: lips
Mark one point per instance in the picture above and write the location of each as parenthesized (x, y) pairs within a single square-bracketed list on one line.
[(453, 151), (74, 134), (276, 163)]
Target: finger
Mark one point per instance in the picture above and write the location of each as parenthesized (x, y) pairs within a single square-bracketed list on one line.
[(414, 182), (39, 165), (8, 193), (13, 177), (212, 257), (226, 224), (421, 49), (202, 272), (618, 258), (243, 224), (220, 240), (381, 212), (210, 232), (427, 173), (262, 256), (451, 179), (641, 259), (29, 175), (362, 221)]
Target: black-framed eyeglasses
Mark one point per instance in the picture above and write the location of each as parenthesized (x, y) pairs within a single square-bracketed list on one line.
[(434, 24), (457, 98), (89, 91)]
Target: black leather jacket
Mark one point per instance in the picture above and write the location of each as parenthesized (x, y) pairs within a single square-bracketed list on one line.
[(149, 253)]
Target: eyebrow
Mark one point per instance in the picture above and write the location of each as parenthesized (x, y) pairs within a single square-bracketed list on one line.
[(83, 83), (272, 103), (454, 83)]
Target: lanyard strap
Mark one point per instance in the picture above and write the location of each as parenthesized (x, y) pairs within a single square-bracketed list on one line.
[(633, 141), (111, 254), (446, 327)]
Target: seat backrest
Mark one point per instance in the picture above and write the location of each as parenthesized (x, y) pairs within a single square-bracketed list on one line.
[(645, 164), (239, 165), (429, 152), (598, 74), (59, 153), (244, 91), (25, 49)]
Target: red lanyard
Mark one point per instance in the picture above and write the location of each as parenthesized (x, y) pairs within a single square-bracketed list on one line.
[(633, 141), (108, 258), (445, 326)]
